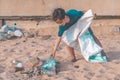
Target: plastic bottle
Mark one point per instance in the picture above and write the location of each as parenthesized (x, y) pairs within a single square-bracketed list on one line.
[(14, 26), (117, 29)]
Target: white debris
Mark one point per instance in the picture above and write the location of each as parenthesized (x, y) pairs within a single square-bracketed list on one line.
[(4, 28), (18, 33), (7, 31), (19, 65)]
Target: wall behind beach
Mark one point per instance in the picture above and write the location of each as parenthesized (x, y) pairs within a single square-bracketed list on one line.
[(45, 7)]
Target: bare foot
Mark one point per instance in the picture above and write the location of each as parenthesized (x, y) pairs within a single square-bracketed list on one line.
[(73, 60)]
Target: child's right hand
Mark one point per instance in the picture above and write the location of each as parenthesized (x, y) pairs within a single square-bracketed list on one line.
[(95, 15), (52, 55)]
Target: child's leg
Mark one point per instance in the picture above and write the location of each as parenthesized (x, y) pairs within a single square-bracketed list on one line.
[(98, 42), (71, 51)]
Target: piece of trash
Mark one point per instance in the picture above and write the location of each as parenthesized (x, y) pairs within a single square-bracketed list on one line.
[(10, 32), (7, 32), (18, 69), (2, 36), (19, 65), (14, 61), (18, 33), (49, 66), (36, 66), (117, 29), (4, 28)]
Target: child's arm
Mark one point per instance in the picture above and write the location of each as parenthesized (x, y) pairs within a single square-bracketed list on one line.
[(84, 11), (57, 42), (95, 15)]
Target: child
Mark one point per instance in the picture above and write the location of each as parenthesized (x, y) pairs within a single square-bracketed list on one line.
[(65, 21)]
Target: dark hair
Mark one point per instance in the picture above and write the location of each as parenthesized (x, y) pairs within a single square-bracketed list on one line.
[(58, 13)]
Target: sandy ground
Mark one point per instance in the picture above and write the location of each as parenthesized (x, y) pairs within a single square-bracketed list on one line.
[(42, 44)]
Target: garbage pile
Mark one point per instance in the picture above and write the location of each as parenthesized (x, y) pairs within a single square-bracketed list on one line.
[(36, 66), (7, 32)]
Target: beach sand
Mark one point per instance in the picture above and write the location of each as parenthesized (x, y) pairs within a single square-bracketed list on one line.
[(41, 45)]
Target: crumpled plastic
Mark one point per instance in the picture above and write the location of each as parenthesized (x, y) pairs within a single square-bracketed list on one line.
[(49, 66), (6, 31)]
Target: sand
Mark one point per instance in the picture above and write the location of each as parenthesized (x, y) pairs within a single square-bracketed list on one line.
[(42, 43)]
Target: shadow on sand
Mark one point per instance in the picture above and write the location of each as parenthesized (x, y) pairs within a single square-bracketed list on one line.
[(113, 55)]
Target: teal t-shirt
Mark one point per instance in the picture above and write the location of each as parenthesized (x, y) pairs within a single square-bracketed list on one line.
[(74, 15)]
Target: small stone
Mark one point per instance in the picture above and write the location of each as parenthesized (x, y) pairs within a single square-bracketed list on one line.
[(76, 66)]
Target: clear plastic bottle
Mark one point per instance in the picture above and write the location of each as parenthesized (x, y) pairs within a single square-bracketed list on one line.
[(117, 29), (14, 26)]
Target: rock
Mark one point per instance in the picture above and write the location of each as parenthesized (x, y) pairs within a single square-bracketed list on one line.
[(76, 66)]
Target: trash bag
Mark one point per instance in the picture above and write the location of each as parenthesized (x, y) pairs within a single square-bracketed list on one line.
[(98, 58), (49, 66), (90, 50)]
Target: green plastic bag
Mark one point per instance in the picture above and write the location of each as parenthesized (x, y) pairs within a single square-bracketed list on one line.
[(89, 49), (49, 66)]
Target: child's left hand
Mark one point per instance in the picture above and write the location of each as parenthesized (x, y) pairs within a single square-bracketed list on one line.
[(95, 15), (52, 55)]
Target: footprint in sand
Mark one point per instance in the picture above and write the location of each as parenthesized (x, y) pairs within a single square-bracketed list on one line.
[(45, 37), (117, 77), (12, 50), (13, 76), (118, 42), (101, 73), (107, 67), (5, 50), (3, 58), (99, 76), (117, 62), (89, 75), (20, 51), (111, 48), (2, 69), (85, 69), (1, 78), (67, 78), (17, 43)]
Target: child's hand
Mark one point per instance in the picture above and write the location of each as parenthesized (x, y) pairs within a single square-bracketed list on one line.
[(95, 15), (52, 55)]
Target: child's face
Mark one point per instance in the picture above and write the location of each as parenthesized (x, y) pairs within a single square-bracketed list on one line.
[(61, 22)]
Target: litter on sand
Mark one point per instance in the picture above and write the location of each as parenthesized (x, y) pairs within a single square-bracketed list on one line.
[(36, 66), (6, 32)]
